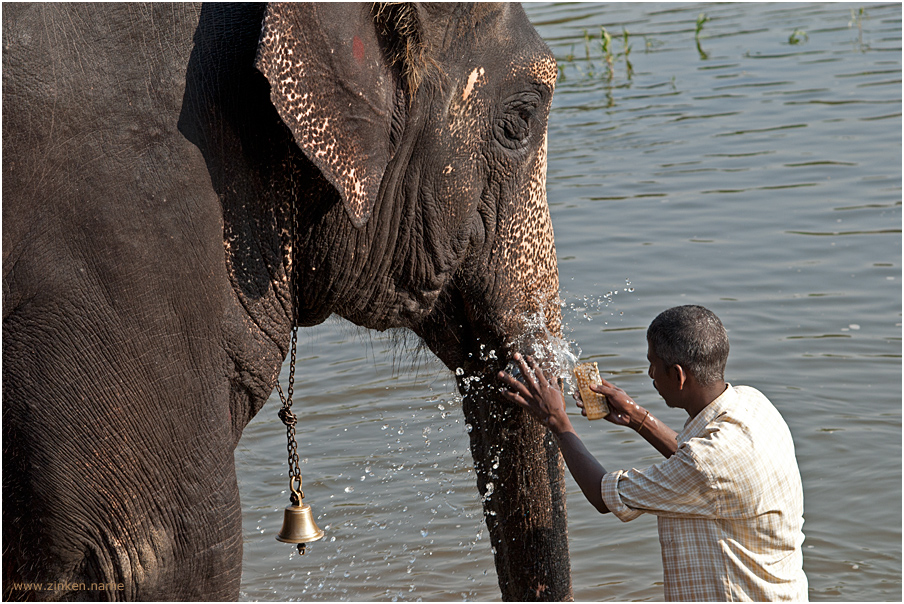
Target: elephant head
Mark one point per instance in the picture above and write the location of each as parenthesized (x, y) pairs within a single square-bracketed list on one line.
[(429, 123)]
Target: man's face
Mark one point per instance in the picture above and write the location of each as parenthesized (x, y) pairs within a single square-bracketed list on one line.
[(665, 379)]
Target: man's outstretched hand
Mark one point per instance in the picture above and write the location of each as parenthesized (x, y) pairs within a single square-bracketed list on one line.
[(542, 398), (623, 411)]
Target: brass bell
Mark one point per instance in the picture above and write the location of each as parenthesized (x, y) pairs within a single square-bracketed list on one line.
[(298, 523)]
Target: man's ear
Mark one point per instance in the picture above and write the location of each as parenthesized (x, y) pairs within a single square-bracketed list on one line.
[(679, 375)]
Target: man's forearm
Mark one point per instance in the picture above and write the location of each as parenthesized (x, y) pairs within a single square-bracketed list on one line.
[(663, 438), (623, 411), (587, 471)]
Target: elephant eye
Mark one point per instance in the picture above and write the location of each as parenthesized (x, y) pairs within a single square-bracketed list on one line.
[(512, 131), (512, 128)]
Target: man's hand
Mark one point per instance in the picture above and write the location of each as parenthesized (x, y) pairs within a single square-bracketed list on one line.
[(544, 400), (623, 411)]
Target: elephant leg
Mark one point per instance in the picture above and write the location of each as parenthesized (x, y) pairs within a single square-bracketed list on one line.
[(119, 487), (520, 476), (99, 540)]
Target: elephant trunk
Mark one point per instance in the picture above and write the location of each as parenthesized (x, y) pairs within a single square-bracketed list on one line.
[(520, 472), (505, 298), (520, 479)]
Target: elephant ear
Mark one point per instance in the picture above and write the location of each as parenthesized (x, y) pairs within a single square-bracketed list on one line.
[(333, 86)]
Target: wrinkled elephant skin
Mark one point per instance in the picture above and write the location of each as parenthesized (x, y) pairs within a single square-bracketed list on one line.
[(183, 185)]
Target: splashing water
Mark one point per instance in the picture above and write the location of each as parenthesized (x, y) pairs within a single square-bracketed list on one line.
[(557, 356), (589, 307)]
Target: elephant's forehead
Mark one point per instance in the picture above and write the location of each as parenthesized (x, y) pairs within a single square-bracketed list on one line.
[(544, 70), (473, 78), (541, 69)]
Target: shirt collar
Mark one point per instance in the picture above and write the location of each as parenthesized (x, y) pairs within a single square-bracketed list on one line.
[(696, 426)]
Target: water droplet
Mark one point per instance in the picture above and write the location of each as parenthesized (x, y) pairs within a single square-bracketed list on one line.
[(349, 489), (469, 428), (424, 532), (459, 371)]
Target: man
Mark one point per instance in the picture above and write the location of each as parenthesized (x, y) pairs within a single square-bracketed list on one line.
[(728, 497)]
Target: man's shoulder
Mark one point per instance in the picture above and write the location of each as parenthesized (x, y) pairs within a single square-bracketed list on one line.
[(754, 406), (746, 452), (738, 406), (739, 427), (750, 393), (751, 430)]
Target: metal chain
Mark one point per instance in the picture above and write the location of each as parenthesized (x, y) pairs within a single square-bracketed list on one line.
[(289, 419), (285, 413)]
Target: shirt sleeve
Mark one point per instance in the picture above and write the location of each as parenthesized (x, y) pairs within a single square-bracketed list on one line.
[(613, 500), (677, 487)]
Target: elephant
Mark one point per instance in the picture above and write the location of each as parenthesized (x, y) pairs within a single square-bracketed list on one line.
[(185, 185)]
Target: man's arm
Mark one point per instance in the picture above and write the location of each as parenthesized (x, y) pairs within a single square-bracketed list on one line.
[(587, 471), (625, 412), (544, 400)]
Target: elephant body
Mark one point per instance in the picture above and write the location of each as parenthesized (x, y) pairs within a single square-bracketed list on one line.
[(184, 185)]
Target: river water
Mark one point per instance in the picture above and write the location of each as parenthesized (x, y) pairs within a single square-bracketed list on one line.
[(754, 168)]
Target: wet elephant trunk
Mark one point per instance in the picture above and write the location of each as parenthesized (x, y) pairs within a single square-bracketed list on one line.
[(520, 476), (520, 472)]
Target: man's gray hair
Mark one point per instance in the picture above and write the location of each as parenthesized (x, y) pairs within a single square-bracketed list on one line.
[(693, 337)]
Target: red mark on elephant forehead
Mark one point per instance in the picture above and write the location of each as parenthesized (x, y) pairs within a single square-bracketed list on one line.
[(358, 49)]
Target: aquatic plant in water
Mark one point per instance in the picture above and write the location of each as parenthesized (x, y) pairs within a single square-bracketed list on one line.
[(627, 53), (606, 47), (702, 19), (607, 54), (857, 19), (798, 36)]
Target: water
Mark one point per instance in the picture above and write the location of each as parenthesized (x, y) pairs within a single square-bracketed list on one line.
[(762, 181)]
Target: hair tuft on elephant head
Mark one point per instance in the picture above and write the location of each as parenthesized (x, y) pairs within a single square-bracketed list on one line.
[(400, 24), (183, 186)]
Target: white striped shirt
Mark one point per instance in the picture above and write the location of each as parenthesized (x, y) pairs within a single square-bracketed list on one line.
[(729, 504)]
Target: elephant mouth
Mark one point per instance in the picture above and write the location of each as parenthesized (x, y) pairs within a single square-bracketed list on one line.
[(474, 341), (461, 335)]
